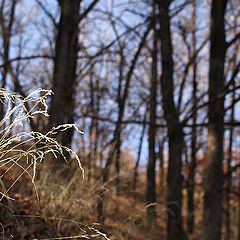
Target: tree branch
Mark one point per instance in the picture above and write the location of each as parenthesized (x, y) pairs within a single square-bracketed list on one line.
[(228, 44), (85, 13), (47, 12), (26, 58)]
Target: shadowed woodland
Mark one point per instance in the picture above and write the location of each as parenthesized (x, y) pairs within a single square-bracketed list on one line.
[(120, 119)]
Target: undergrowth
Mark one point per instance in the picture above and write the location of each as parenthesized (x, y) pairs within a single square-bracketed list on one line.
[(22, 150)]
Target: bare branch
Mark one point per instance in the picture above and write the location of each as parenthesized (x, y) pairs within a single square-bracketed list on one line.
[(26, 58), (47, 13), (85, 13), (228, 44)]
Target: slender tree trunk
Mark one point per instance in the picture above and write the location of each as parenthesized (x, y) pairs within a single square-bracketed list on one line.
[(65, 61), (229, 174), (118, 143), (151, 179), (191, 177), (135, 175), (175, 132), (239, 211), (117, 165), (231, 139), (161, 166), (117, 131), (90, 139), (96, 127), (6, 29), (213, 173), (93, 128)]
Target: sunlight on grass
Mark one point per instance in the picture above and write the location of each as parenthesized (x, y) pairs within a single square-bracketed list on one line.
[(13, 135), (21, 150)]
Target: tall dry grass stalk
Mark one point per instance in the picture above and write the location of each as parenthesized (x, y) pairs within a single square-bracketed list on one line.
[(14, 137)]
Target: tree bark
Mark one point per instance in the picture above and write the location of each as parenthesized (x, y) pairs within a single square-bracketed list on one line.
[(230, 146), (229, 175), (191, 177), (91, 127), (118, 140), (213, 173), (6, 31), (161, 166), (65, 61), (135, 175), (151, 179), (175, 132)]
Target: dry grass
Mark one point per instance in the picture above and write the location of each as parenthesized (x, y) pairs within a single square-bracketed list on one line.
[(21, 153), (16, 144)]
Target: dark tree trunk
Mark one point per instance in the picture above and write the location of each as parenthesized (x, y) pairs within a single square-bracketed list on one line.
[(161, 167), (191, 177), (6, 31), (151, 179), (91, 138), (65, 61), (118, 140), (175, 132), (213, 175)]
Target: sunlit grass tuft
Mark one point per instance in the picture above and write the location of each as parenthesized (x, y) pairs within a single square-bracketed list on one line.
[(23, 150), (14, 137)]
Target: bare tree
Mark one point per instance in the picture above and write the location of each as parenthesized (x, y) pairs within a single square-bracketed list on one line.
[(213, 175), (65, 63), (175, 132), (151, 179), (66, 49)]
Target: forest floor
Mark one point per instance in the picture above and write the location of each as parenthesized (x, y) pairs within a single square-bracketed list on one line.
[(68, 210), (25, 217)]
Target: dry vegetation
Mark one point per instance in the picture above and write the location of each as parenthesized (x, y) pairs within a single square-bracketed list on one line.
[(24, 179)]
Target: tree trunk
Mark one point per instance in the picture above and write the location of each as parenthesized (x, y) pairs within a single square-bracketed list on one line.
[(90, 129), (191, 177), (175, 132), (135, 175), (213, 173), (151, 180), (230, 146), (229, 174), (239, 211), (65, 61), (161, 166), (119, 142), (6, 31)]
